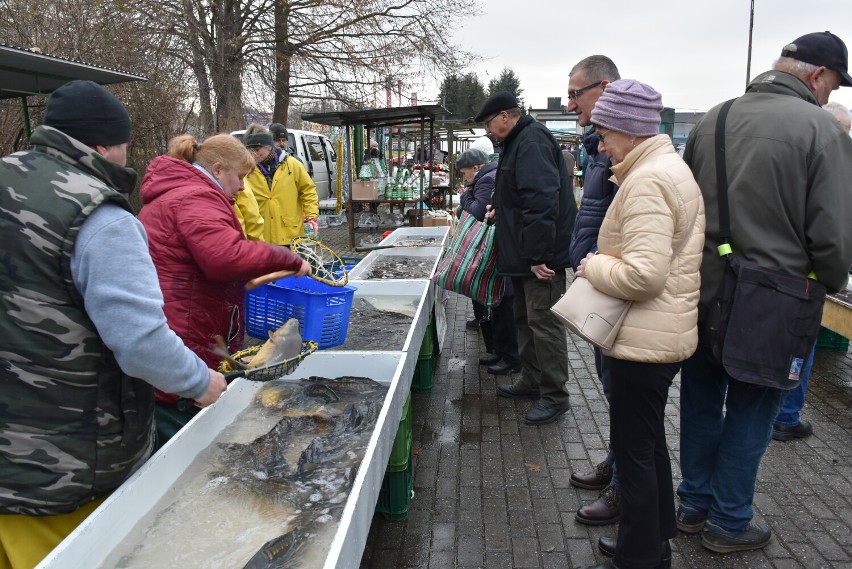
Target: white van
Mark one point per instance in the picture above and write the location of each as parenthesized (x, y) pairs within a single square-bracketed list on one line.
[(317, 153)]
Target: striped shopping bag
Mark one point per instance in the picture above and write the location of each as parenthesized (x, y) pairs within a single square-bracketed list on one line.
[(469, 265)]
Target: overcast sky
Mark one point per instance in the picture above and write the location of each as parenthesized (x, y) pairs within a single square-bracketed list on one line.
[(694, 52)]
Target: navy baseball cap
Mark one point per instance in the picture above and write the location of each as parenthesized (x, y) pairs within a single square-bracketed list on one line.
[(823, 49)]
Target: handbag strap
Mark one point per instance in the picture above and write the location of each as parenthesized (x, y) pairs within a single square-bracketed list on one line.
[(722, 181)]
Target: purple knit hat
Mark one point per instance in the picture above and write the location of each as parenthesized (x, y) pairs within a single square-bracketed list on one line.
[(630, 107)]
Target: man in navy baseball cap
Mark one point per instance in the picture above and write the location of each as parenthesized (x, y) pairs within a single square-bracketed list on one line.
[(823, 49)]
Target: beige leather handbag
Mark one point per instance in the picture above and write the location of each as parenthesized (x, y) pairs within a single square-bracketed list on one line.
[(594, 316)]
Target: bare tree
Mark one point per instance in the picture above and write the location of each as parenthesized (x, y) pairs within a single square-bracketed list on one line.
[(347, 50), (107, 34)]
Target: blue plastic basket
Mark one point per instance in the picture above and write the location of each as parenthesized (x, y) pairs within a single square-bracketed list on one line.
[(322, 310)]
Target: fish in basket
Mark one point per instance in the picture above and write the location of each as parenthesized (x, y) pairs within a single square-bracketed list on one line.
[(280, 355)]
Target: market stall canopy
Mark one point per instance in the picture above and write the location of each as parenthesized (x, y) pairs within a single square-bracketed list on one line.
[(393, 116), (24, 72)]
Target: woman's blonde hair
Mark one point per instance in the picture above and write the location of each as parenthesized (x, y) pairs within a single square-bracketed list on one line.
[(222, 148)]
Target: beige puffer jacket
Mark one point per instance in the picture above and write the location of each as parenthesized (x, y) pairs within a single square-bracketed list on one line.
[(657, 206)]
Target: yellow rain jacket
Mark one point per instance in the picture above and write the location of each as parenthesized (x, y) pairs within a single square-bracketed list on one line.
[(285, 206), (248, 212)]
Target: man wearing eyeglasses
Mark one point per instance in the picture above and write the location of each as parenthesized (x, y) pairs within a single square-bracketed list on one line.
[(534, 209), (586, 83)]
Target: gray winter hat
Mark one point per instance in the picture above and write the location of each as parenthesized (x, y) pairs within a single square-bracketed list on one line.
[(472, 157)]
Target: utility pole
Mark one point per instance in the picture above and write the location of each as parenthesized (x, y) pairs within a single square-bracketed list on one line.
[(750, 30)]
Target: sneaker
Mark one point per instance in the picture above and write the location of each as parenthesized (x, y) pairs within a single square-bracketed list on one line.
[(690, 522), (718, 540), (472, 324), (541, 414), (801, 430), (597, 480)]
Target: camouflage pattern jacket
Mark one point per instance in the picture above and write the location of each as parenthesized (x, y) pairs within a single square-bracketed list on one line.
[(72, 426)]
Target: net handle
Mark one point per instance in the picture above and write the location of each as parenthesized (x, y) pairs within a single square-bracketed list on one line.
[(269, 278)]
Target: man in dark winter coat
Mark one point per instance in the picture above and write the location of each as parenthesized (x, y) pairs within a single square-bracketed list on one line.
[(535, 211), (586, 83)]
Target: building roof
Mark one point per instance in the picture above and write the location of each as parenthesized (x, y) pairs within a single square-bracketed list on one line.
[(392, 116), (24, 72)]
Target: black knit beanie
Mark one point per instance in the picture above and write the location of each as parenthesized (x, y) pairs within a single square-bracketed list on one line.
[(89, 113), (258, 139)]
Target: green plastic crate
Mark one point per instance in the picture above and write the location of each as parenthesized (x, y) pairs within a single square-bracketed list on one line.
[(427, 348), (396, 494), (400, 454), (829, 341), (423, 372)]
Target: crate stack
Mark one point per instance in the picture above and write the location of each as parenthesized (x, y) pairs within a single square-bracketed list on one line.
[(397, 488), (829, 341), (423, 372), (328, 214)]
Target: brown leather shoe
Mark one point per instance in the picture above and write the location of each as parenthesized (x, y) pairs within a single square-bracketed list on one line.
[(603, 511), (597, 480)]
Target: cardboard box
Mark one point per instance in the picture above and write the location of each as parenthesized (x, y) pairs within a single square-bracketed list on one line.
[(364, 190), (433, 220)]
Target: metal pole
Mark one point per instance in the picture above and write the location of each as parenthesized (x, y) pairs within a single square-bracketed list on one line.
[(750, 30), (27, 127)]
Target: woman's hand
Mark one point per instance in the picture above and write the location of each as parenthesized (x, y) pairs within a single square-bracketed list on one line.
[(490, 213), (581, 270), (304, 270)]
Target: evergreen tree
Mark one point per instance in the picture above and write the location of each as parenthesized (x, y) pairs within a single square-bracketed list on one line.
[(462, 95), (507, 81)]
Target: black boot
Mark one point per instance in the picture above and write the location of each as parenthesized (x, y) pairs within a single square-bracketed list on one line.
[(606, 545)]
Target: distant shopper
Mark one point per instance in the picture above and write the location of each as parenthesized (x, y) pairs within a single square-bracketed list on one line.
[(83, 337), (586, 83), (649, 252), (788, 169), (535, 210), (498, 331)]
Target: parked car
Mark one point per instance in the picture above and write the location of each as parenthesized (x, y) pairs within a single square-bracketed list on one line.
[(318, 155)]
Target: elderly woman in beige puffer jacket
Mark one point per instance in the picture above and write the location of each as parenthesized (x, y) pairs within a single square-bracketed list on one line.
[(649, 251)]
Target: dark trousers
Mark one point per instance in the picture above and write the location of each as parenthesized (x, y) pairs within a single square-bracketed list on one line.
[(606, 382), (637, 433), (542, 339), (498, 329), (504, 331), (168, 421)]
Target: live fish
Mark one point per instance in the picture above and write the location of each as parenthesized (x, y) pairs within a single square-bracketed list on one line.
[(284, 344)]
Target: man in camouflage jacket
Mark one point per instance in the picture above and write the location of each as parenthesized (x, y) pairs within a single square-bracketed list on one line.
[(83, 337)]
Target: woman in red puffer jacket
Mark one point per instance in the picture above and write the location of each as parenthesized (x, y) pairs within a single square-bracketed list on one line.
[(203, 259)]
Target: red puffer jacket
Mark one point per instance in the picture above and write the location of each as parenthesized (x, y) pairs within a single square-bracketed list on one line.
[(203, 260)]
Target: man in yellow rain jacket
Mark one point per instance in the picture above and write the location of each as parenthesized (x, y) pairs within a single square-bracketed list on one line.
[(286, 195), (248, 212)]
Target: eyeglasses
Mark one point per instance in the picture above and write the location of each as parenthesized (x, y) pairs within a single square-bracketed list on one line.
[(601, 135), (577, 92), (491, 119)]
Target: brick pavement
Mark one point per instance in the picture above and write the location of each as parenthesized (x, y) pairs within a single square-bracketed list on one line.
[(492, 492)]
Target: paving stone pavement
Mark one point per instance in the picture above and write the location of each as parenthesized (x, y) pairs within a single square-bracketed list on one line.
[(492, 492)]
